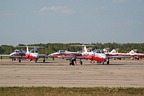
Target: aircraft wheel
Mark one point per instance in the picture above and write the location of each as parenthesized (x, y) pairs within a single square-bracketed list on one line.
[(44, 60), (108, 62), (19, 60), (81, 62)]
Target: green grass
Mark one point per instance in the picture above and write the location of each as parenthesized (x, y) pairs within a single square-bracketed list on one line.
[(63, 91)]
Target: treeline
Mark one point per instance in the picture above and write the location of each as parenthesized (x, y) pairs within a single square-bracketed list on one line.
[(53, 47)]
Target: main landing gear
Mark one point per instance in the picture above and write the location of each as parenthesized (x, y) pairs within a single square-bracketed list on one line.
[(19, 60), (81, 62), (107, 62), (44, 60)]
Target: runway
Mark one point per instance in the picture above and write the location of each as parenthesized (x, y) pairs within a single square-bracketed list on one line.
[(58, 73)]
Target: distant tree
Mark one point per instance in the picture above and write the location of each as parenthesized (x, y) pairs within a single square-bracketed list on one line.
[(53, 47), (1, 50)]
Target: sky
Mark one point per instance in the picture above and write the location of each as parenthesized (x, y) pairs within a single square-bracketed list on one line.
[(71, 21)]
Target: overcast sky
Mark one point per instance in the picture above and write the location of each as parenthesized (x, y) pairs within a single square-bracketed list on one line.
[(69, 21)]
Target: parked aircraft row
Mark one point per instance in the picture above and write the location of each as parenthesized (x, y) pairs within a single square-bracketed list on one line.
[(132, 54), (95, 55), (98, 55)]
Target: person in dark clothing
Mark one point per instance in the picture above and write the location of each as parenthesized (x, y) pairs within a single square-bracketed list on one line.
[(72, 60)]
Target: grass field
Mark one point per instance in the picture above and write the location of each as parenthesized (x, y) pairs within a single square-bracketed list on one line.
[(63, 91)]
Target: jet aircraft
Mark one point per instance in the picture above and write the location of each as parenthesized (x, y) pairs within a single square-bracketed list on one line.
[(13, 54), (31, 55), (114, 54), (136, 55)]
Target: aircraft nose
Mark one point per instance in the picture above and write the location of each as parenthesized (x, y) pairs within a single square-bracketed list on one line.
[(104, 56), (12, 54), (50, 55)]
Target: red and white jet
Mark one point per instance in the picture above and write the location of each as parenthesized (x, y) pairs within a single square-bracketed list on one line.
[(136, 55), (94, 55), (115, 54), (31, 55), (13, 55)]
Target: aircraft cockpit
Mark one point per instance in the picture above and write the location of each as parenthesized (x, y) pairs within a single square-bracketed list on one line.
[(17, 51), (98, 51), (33, 51), (61, 51)]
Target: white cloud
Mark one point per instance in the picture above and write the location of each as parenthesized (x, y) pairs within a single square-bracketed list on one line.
[(57, 9)]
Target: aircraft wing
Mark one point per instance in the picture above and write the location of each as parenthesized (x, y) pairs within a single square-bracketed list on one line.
[(70, 57), (40, 56), (126, 56), (17, 56), (4, 55)]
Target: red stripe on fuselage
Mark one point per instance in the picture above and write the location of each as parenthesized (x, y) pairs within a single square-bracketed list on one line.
[(96, 58), (28, 56)]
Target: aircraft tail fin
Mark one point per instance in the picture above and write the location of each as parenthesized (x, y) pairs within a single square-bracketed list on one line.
[(132, 52), (27, 49), (113, 51), (84, 49)]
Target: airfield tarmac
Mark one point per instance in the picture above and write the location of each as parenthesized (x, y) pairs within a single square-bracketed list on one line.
[(58, 73)]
